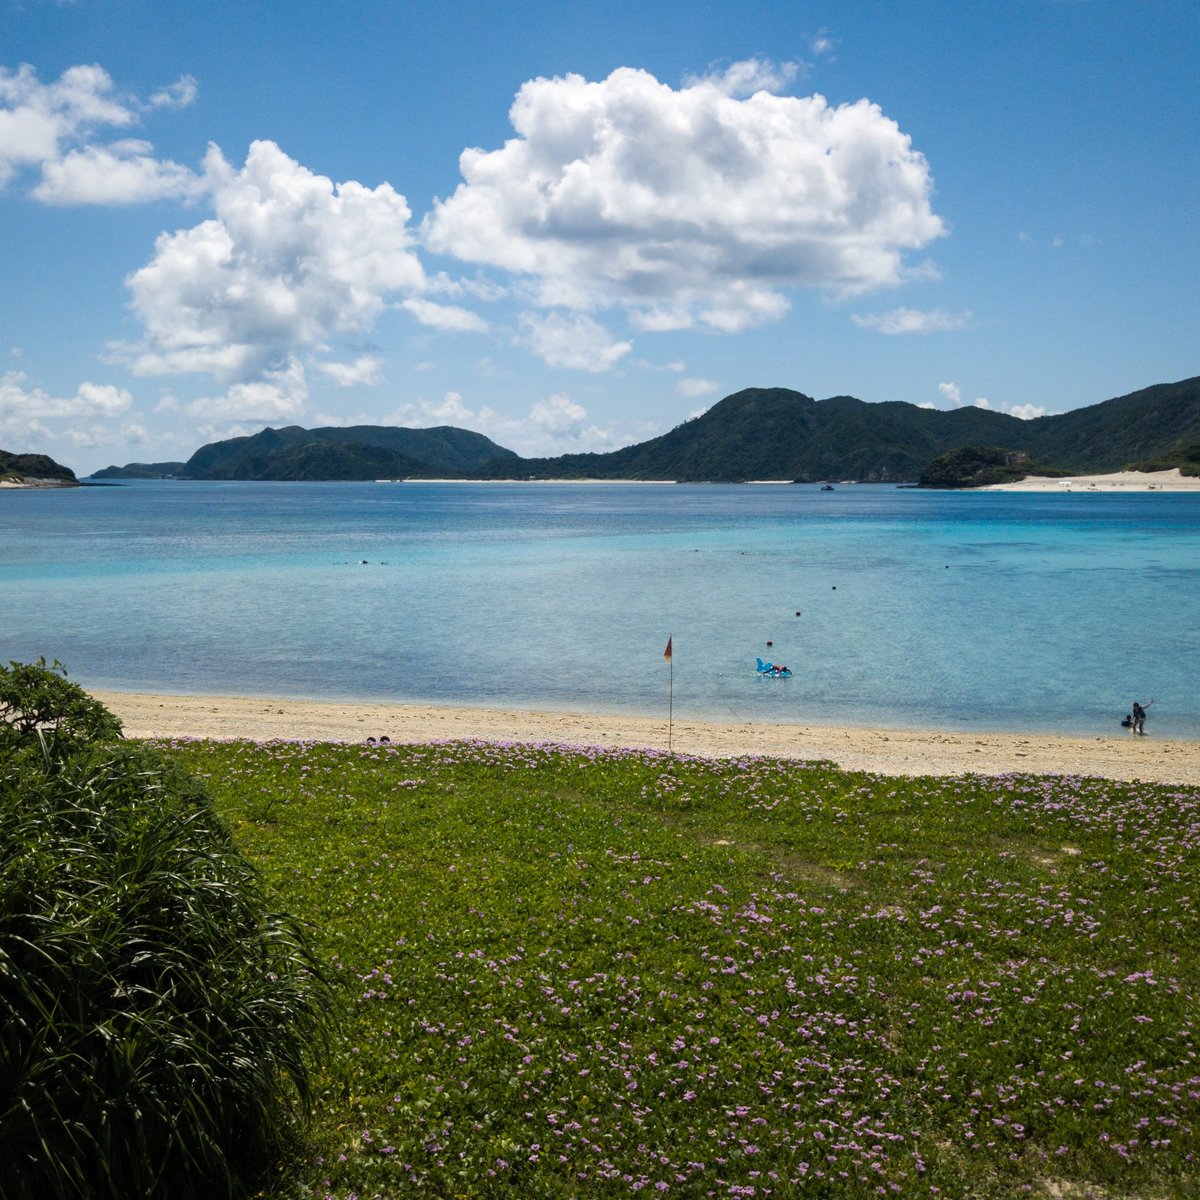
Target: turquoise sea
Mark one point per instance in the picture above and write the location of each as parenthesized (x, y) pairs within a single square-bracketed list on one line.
[(892, 606)]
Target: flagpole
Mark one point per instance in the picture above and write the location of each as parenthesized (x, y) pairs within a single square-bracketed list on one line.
[(671, 708), (670, 694)]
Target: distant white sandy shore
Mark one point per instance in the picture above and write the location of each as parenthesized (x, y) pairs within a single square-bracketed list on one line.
[(1116, 481), (883, 751), (415, 479)]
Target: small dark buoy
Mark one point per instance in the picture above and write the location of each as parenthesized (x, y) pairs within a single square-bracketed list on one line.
[(947, 566), (770, 643), (835, 587), (797, 612)]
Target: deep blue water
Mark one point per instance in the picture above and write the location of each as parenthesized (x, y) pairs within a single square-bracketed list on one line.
[(920, 609)]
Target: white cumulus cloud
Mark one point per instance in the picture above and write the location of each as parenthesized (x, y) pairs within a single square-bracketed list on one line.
[(179, 94), (364, 371), (1027, 412), (37, 118), (577, 342), (450, 317), (554, 425), (123, 172), (751, 75), (689, 205), (53, 127), (1023, 412), (690, 388), (102, 399), (25, 409), (451, 410), (557, 414), (289, 259), (281, 394), (912, 320), (952, 393)]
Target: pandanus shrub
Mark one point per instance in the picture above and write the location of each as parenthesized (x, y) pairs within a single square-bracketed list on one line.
[(157, 1018), (37, 699)]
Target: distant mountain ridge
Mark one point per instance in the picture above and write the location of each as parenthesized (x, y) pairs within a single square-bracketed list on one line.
[(757, 433), (776, 433)]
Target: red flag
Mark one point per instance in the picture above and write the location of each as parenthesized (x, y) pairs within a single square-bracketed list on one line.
[(667, 651)]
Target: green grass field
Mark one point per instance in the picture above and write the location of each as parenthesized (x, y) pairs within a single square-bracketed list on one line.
[(575, 972)]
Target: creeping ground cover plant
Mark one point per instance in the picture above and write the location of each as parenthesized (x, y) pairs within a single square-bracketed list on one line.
[(577, 972)]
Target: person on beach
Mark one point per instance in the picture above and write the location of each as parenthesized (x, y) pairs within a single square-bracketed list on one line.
[(1139, 717)]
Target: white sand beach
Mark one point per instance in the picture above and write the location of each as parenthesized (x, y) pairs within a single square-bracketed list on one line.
[(885, 751), (1117, 481)]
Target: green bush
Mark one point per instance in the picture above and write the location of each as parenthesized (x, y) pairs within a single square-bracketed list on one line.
[(37, 699), (156, 1017)]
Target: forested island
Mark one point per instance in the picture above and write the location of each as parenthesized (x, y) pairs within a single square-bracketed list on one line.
[(34, 470)]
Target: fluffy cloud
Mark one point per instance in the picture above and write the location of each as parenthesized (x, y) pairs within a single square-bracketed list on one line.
[(912, 320), (25, 409), (17, 401), (445, 316), (823, 45), (1023, 412), (366, 370), (1027, 412), (288, 260), (577, 342), (953, 393), (124, 172), (691, 204), (36, 118), (281, 394), (557, 414), (50, 126), (555, 425), (178, 95), (691, 388), (750, 76), (101, 399)]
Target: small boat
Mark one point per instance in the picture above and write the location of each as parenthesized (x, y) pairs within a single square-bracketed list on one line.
[(766, 668), (828, 487)]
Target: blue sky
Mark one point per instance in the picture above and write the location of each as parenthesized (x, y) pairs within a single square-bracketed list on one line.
[(572, 226)]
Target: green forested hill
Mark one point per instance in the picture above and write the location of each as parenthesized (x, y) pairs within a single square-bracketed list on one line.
[(352, 452), (776, 433), (17, 468), (1152, 423)]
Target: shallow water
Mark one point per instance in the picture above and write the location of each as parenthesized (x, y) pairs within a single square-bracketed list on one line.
[(919, 609)]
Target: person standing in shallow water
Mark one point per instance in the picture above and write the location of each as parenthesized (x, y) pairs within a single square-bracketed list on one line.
[(1139, 717)]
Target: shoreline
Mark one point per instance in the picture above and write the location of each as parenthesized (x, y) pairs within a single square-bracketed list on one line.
[(882, 751), (1116, 481)]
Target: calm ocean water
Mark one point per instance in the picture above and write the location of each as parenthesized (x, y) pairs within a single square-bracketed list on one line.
[(892, 607)]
